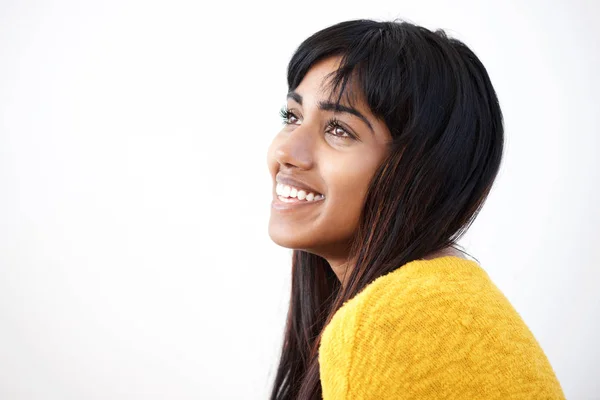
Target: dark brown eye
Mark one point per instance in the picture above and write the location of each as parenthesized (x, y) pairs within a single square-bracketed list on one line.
[(337, 130), (288, 116)]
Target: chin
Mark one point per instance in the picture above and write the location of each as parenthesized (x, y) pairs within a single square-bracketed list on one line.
[(285, 237)]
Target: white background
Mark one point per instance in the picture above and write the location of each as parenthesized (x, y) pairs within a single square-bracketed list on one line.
[(135, 261)]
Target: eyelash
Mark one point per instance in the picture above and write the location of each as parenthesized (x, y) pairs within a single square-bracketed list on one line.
[(333, 122)]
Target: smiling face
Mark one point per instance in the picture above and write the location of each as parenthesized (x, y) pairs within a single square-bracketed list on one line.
[(329, 152)]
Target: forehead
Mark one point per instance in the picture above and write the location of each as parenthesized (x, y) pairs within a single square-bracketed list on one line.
[(317, 85)]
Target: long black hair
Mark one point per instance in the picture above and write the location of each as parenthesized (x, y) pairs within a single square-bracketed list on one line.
[(436, 98)]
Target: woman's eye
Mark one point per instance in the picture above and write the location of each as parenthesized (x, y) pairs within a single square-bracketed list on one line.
[(288, 116), (338, 131)]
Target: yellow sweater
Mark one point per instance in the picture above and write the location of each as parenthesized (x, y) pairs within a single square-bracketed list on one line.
[(433, 329)]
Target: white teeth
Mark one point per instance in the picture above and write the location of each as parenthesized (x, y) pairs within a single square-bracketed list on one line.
[(292, 192)]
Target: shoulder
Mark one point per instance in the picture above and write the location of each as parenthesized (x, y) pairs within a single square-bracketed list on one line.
[(431, 327)]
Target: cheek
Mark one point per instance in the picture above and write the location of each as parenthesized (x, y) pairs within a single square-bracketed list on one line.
[(347, 183)]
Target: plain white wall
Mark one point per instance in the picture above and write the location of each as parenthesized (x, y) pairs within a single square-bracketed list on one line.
[(134, 194)]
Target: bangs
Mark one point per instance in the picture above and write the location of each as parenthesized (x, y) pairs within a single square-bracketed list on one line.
[(373, 67)]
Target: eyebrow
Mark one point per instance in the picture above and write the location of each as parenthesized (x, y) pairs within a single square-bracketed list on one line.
[(328, 106)]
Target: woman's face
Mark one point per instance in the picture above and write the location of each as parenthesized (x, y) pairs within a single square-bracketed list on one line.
[(337, 161)]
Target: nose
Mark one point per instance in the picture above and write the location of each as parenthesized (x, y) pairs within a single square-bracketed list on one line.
[(296, 149)]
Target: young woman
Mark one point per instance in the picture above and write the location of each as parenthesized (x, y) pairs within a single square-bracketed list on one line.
[(392, 139)]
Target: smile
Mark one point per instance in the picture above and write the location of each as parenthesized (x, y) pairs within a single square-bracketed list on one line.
[(290, 198), (293, 193)]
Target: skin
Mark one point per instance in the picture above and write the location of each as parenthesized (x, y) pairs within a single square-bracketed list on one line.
[(331, 161)]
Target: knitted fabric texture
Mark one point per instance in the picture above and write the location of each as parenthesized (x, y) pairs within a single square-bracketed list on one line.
[(433, 329)]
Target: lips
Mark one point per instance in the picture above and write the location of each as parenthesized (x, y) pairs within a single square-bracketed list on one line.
[(282, 204), (295, 182)]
